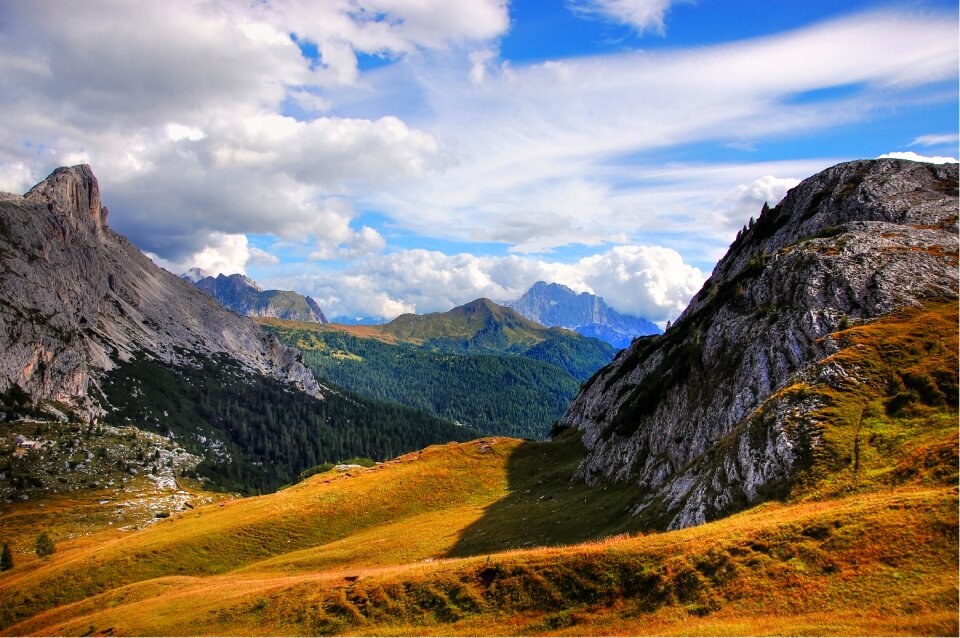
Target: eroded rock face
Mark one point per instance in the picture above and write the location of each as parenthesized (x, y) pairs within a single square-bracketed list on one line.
[(75, 297), (671, 412)]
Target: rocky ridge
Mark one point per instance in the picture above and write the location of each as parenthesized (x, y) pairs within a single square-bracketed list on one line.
[(673, 414), (245, 297), (77, 298), (589, 315)]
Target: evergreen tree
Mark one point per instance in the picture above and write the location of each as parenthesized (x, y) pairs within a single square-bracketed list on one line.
[(6, 558), (45, 546)]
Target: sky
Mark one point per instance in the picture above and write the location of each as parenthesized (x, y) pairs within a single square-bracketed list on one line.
[(390, 156)]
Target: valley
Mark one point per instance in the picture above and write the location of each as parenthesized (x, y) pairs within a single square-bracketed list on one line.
[(480, 365), (781, 460)]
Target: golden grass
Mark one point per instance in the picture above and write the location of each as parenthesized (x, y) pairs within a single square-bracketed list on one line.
[(776, 569), (484, 538), (361, 332)]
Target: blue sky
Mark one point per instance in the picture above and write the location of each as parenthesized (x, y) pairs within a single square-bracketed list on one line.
[(390, 156)]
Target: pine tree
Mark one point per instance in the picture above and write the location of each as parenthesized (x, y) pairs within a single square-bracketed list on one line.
[(45, 546), (6, 558)]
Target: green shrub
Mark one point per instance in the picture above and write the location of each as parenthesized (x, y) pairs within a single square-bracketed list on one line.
[(45, 546)]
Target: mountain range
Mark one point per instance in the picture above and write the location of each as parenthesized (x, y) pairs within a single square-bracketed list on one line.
[(792, 437), (243, 296), (479, 364), (93, 331), (557, 305)]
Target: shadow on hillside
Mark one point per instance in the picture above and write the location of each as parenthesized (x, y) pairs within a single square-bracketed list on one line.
[(545, 506)]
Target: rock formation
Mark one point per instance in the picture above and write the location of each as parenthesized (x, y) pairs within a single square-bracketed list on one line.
[(75, 297), (673, 413), (589, 315), (242, 295)]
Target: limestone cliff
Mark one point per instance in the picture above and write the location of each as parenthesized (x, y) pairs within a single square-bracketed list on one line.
[(676, 414), (75, 298)]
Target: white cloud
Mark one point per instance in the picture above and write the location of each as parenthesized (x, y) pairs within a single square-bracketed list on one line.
[(15, 177), (935, 140), (226, 254), (746, 200), (177, 132), (914, 157), (260, 257), (567, 151), (182, 116), (653, 282), (642, 15)]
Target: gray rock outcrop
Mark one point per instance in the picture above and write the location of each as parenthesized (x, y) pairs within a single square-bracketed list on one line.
[(677, 414), (76, 297)]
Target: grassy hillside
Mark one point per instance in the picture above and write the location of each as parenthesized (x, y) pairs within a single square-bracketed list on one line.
[(499, 395), (492, 537)]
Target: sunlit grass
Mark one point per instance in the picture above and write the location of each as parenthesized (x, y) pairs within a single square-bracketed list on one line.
[(492, 538)]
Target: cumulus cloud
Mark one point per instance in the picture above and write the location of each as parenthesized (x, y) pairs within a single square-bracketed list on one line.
[(181, 113), (914, 157), (642, 15), (223, 253), (649, 281), (746, 200), (187, 118)]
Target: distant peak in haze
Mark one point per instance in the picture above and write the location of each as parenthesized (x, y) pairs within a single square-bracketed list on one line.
[(553, 304), (194, 275)]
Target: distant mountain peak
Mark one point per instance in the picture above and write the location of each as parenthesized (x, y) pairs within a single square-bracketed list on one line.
[(194, 275), (553, 304), (244, 296)]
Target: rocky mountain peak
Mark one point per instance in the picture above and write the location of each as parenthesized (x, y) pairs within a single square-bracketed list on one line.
[(73, 194), (553, 304), (193, 275), (698, 417), (70, 313)]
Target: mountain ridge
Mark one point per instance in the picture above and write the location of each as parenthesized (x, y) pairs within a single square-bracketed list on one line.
[(554, 304), (77, 296), (245, 297), (699, 418)]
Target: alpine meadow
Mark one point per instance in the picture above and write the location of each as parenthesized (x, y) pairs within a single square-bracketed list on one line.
[(479, 318)]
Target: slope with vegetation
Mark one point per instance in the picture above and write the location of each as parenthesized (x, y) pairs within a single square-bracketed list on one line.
[(483, 327), (503, 395), (253, 433), (858, 535), (93, 330), (704, 419)]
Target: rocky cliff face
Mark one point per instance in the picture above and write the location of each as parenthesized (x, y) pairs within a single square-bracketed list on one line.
[(75, 298), (678, 414), (589, 315), (242, 295)]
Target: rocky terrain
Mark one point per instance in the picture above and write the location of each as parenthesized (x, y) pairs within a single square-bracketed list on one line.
[(77, 298), (698, 417), (589, 315), (242, 295)]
